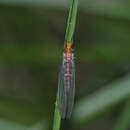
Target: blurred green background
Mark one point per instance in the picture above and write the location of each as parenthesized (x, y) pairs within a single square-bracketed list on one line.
[(31, 45)]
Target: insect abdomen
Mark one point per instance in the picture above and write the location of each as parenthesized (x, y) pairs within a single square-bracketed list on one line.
[(68, 74)]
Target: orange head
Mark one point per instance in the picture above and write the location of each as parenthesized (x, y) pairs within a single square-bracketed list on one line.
[(69, 45), (68, 50)]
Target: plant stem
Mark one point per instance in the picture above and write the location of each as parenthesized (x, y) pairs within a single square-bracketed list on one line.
[(57, 117), (71, 22), (68, 38)]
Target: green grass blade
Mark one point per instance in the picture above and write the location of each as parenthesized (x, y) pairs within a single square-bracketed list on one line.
[(123, 122), (71, 22), (41, 125), (10, 125), (57, 117), (101, 101)]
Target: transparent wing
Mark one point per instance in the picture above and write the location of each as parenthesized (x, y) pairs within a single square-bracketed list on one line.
[(71, 93), (62, 97)]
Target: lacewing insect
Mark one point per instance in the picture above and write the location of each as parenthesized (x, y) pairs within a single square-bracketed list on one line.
[(66, 83)]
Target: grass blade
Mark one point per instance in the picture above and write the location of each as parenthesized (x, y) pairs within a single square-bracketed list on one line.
[(71, 22), (123, 122), (100, 101), (57, 117)]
